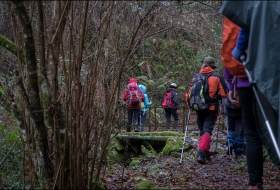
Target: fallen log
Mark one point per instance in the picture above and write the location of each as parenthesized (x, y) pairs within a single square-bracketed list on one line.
[(146, 137)]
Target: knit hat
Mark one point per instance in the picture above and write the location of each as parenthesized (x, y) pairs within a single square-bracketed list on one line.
[(209, 61), (132, 80)]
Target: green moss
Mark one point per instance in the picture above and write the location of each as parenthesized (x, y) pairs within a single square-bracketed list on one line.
[(150, 148), (160, 133), (45, 101), (241, 165), (172, 145), (139, 178), (115, 144), (99, 184), (181, 89), (147, 152), (146, 185), (9, 45), (135, 162), (114, 155)]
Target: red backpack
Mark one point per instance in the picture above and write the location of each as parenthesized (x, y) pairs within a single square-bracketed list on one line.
[(134, 97), (167, 100)]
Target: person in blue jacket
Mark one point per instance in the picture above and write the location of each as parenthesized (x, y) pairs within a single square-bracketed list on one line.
[(144, 109)]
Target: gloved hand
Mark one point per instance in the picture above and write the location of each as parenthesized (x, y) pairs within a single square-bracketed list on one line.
[(237, 54)]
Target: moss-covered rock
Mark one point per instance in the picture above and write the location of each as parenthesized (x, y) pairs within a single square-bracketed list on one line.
[(147, 152), (172, 145), (116, 144), (146, 185), (135, 161), (114, 155), (150, 148), (114, 151)]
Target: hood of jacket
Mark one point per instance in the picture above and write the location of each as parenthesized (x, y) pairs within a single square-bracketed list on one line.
[(132, 80), (206, 70), (143, 88)]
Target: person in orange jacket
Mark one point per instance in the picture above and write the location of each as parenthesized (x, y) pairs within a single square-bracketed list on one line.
[(206, 119)]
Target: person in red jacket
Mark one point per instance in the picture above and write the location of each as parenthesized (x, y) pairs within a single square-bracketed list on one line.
[(206, 118), (133, 96)]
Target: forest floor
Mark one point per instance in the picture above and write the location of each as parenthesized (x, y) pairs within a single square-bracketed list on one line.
[(222, 172)]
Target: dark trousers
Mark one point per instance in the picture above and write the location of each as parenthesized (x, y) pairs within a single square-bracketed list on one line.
[(132, 113), (142, 120), (168, 113), (235, 123), (206, 120), (254, 154)]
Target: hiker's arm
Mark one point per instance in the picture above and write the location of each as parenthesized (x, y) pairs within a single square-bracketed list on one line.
[(229, 78), (234, 99), (174, 97), (124, 98), (223, 90), (187, 99), (188, 93), (142, 97), (147, 101), (241, 45)]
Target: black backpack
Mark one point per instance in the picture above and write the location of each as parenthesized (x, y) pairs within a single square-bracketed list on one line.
[(199, 95)]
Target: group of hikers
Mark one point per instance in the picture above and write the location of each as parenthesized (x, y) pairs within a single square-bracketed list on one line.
[(209, 90), (137, 102), (214, 85)]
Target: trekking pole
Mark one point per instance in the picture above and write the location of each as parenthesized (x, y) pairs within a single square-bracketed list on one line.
[(217, 138), (225, 110), (230, 152), (187, 122), (254, 87)]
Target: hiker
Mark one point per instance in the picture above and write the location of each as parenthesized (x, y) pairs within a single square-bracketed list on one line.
[(235, 128), (133, 96), (144, 109), (245, 97), (241, 94), (169, 103), (214, 90)]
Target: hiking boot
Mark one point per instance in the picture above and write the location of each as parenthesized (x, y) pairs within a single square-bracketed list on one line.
[(258, 186), (201, 158), (207, 156)]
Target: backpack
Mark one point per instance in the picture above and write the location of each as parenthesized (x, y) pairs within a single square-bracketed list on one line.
[(199, 95), (230, 35), (167, 100), (231, 109), (134, 97), (231, 105)]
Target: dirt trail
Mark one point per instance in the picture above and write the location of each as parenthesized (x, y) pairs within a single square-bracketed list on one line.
[(167, 172)]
